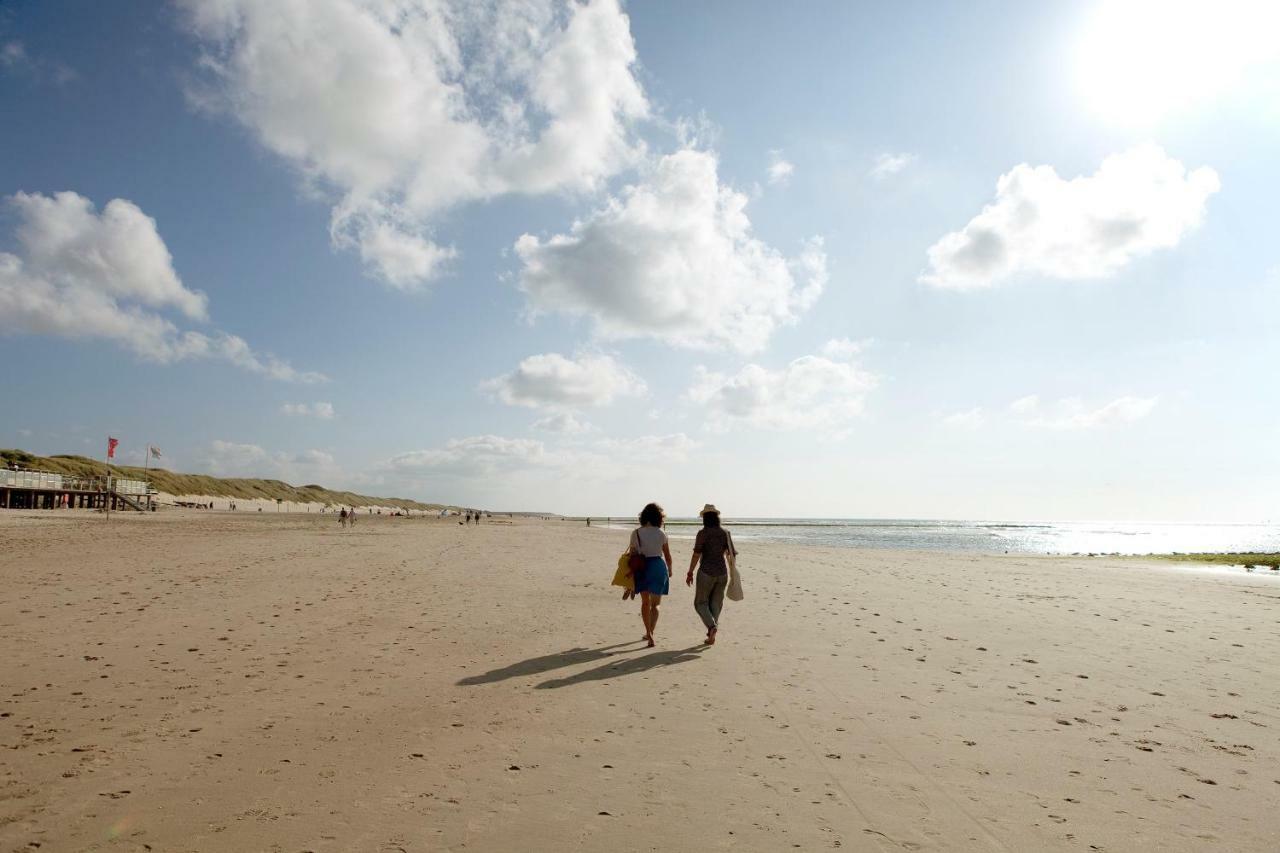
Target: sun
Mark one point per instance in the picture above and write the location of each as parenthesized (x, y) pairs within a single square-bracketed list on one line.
[(1140, 60)]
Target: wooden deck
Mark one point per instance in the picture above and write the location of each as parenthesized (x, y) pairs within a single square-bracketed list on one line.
[(46, 490)]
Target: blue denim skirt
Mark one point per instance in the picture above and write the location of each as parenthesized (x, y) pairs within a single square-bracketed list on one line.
[(653, 577)]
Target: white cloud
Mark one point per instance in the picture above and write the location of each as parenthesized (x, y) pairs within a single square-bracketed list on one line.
[(309, 458), (970, 419), (671, 448), (117, 251), (843, 349), (1025, 405), (232, 459), (14, 57), (889, 164), (551, 380), (780, 170), (13, 54), (320, 411), (389, 246), (496, 456), (233, 349), (407, 108), (1071, 413), (88, 275), (1088, 227), (673, 258), (812, 392), (563, 423), (229, 459), (474, 455)]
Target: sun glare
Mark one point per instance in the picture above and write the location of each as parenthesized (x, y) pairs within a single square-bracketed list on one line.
[(1139, 60)]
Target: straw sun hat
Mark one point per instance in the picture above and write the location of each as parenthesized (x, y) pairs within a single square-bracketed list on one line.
[(709, 508)]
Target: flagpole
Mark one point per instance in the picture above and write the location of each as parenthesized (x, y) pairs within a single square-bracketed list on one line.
[(153, 452), (111, 452)]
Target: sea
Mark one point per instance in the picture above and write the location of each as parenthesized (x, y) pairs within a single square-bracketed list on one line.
[(995, 537)]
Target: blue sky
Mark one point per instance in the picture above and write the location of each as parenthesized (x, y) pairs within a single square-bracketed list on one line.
[(986, 260)]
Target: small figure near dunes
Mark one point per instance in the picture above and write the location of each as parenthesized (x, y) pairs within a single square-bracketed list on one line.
[(342, 517), (653, 580), (712, 549)]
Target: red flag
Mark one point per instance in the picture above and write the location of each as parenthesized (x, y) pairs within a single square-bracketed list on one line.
[(111, 447)]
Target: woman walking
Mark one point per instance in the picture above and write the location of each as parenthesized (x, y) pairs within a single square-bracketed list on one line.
[(712, 545), (653, 579)]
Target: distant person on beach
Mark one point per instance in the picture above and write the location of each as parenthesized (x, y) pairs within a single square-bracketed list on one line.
[(342, 517), (654, 580), (351, 517), (710, 549)]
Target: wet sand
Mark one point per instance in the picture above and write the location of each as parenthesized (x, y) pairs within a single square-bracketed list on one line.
[(231, 682)]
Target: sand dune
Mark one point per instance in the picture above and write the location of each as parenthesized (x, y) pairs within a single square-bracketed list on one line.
[(219, 682)]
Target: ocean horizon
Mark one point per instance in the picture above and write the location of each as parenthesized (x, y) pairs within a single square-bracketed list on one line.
[(994, 537)]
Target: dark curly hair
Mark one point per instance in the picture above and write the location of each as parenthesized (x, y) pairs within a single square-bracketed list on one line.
[(652, 515), (711, 519)]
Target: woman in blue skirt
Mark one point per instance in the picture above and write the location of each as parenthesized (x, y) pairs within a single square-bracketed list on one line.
[(653, 581)]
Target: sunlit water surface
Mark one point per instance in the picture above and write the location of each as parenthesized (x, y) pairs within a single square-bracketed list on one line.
[(1073, 537)]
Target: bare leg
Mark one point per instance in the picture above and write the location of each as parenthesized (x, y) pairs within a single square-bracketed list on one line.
[(649, 612)]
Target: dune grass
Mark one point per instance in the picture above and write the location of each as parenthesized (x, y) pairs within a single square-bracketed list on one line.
[(199, 484)]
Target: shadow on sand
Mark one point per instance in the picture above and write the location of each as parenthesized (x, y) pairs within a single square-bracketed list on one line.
[(627, 666), (546, 663)]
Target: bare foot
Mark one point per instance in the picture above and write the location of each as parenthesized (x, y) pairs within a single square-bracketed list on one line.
[(651, 642), (711, 637)]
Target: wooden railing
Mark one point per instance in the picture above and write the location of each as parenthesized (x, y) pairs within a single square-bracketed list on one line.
[(47, 481)]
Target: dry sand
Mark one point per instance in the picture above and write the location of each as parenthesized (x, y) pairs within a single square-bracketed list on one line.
[(218, 682)]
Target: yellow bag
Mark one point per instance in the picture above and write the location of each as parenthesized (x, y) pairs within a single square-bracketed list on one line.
[(623, 577)]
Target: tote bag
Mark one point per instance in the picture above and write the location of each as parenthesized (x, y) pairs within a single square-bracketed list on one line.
[(734, 592), (624, 577)]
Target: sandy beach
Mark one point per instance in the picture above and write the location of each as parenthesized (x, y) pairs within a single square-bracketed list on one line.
[(211, 681)]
